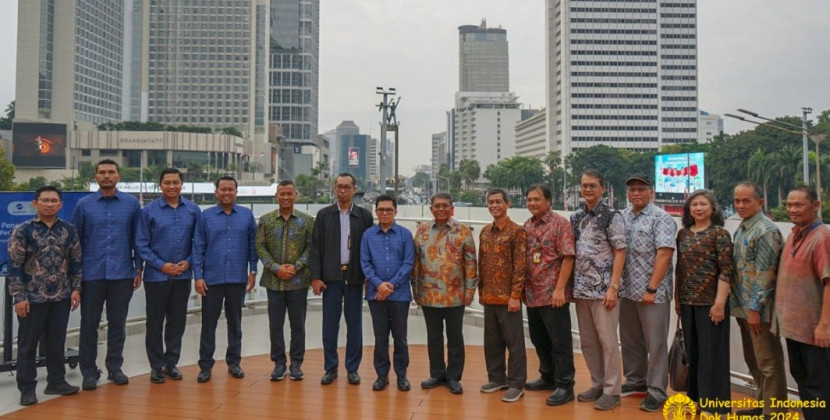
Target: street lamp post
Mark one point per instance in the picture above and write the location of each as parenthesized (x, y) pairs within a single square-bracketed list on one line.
[(383, 106), (390, 122)]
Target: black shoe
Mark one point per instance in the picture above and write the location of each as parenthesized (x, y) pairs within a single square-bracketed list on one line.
[(61, 388), (157, 376), (539, 385), (403, 384), (236, 371), (560, 396), (432, 383), (354, 378), (28, 397), (380, 383), (295, 372), (204, 376), (173, 372), (455, 387), (329, 377), (118, 377), (278, 373), (89, 383), (651, 405)]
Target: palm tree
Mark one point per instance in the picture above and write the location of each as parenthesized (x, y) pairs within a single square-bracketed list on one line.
[(759, 169), (470, 171), (786, 166)]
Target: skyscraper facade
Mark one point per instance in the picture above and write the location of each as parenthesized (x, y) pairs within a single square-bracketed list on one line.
[(200, 62), (70, 61), (621, 73), (293, 74), (482, 59), (480, 127)]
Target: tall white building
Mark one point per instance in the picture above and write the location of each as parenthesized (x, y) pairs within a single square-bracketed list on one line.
[(71, 61), (621, 73), (440, 154), (531, 136), (481, 126)]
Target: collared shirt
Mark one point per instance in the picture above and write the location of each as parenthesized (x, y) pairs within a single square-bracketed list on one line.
[(502, 257), (595, 249), (45, 264), (280, 241), (756, 250), (445, 272), (646, 232), (703, 259), (803, 273), (106, 227), (165, 235), (388, 257), (224, 245), (345, 233), (550, 238)]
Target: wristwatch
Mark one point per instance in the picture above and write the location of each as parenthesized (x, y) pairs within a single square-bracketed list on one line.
[(614, 286), (650, 291)]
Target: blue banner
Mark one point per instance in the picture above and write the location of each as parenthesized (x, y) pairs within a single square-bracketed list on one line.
[(18, 207)]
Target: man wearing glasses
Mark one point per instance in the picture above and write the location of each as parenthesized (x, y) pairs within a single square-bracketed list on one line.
[(444, 281), (386, 256), (45, 271), (336, 273)]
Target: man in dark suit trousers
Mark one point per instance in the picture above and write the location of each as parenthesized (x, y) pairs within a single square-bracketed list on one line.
[(336, 273)]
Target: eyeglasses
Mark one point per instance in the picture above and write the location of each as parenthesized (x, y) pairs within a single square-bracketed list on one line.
[(48, 201), (441, 206), (382, 210), (590, 186), (343, 187)]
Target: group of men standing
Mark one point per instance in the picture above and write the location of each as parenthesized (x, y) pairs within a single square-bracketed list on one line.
[(615, 266)]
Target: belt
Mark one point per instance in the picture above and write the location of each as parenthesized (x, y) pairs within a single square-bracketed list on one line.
[(344, 267)]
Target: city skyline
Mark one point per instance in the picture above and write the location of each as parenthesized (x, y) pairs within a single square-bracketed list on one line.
[(765, 59)]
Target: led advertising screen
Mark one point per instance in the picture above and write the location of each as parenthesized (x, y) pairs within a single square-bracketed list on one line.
[(677, 175), (354, 156), (39, 145)]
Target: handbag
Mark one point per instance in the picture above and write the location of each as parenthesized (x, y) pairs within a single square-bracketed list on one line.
[(678, 362)]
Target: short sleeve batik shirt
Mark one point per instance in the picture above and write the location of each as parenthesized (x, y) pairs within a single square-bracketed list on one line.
[(550, 238), (595, 246), (646, 232)]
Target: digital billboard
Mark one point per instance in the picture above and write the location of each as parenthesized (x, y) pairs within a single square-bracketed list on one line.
[(679, 174), (354, 156), (39, 145)]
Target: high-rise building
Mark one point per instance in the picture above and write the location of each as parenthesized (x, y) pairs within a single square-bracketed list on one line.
[(482, 59), (481, 126), (709, 126), (293, 74), (440, 153), (70, 61), (199, 63), (622, 74), (530, 135)]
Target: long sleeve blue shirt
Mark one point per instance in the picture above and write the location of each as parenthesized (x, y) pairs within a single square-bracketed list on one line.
[(388, 256), (224, 245), (106, 227), (165, 235)]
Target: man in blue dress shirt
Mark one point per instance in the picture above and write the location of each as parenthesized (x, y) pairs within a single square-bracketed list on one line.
[(164, 238), (224, 265), (106, 222), (387, 254)]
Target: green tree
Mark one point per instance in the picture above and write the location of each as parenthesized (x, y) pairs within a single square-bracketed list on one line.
[(6, 122), (420, 180), (232, 131), (759, 170), (195, 171), (612, 162), (470, 171), (306, 184), (517, 172), (473, 197), (6, 172)]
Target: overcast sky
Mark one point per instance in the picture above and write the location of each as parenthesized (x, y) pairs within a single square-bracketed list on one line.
[(768, 56)]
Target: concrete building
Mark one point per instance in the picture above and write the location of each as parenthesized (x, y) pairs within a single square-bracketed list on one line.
[(440, 152), (709, 126), (354, 158), (70, 61), (482, 59), (482, 127), (531, 139), (293, 75), (623, 74)]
